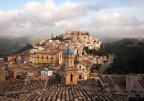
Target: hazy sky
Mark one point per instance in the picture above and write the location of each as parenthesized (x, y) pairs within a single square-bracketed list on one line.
[(99, 17)]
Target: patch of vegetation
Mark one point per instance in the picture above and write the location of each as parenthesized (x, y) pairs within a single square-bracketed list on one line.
[(129, 59), (95, 67), (101, 52), (27, 47), (126, 41), (9, 46)]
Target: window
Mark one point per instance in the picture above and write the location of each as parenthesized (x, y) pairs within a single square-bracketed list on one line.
[(37, 56), (80, 76), (46, 57), (82, 53), (80, 67), (42, 57), (71, 77), (77, 50)]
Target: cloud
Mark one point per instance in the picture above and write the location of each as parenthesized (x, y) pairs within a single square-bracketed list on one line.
[(49, 16), (5, 20), (137, 3)]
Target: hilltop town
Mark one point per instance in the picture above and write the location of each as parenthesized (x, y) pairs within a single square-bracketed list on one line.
[(67, 67), (58, 55)]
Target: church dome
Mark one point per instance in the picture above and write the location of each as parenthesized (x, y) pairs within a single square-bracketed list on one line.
[(68, 51)]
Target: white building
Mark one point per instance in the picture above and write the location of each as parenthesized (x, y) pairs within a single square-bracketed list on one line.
[(46, 73)]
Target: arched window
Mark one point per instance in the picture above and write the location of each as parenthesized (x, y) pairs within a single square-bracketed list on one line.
[(46, 57), (82, 53), (71, 77), (37, 56), (80, 76)]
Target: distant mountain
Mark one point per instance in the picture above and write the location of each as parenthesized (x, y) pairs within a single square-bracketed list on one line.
[(10, 44), (108, 39), (23, 49), (128, 41)]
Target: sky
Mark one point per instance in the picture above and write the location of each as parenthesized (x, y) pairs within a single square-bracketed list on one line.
[(98, 17)]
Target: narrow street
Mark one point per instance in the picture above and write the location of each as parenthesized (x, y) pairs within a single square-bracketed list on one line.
[(106, 65)]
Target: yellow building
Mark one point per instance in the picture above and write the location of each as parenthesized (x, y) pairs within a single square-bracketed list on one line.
[(47, 57)]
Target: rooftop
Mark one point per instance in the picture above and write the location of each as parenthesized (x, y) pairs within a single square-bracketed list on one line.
[(89, 90)]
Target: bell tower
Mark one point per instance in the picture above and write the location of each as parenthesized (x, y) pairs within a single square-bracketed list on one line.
[(70, 70), (69, 58)]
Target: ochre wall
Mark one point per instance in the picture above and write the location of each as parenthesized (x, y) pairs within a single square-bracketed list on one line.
[(68, 78), (37, 58)]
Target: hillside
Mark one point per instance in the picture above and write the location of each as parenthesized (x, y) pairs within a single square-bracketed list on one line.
[(128, 41), (12, 45), (129, 57)]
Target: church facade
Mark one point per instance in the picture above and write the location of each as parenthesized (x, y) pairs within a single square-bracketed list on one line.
[(73, 72)]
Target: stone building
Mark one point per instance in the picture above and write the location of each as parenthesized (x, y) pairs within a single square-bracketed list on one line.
[(83, 71)]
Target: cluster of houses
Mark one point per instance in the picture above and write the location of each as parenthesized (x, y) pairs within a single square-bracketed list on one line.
[(63, 54)]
